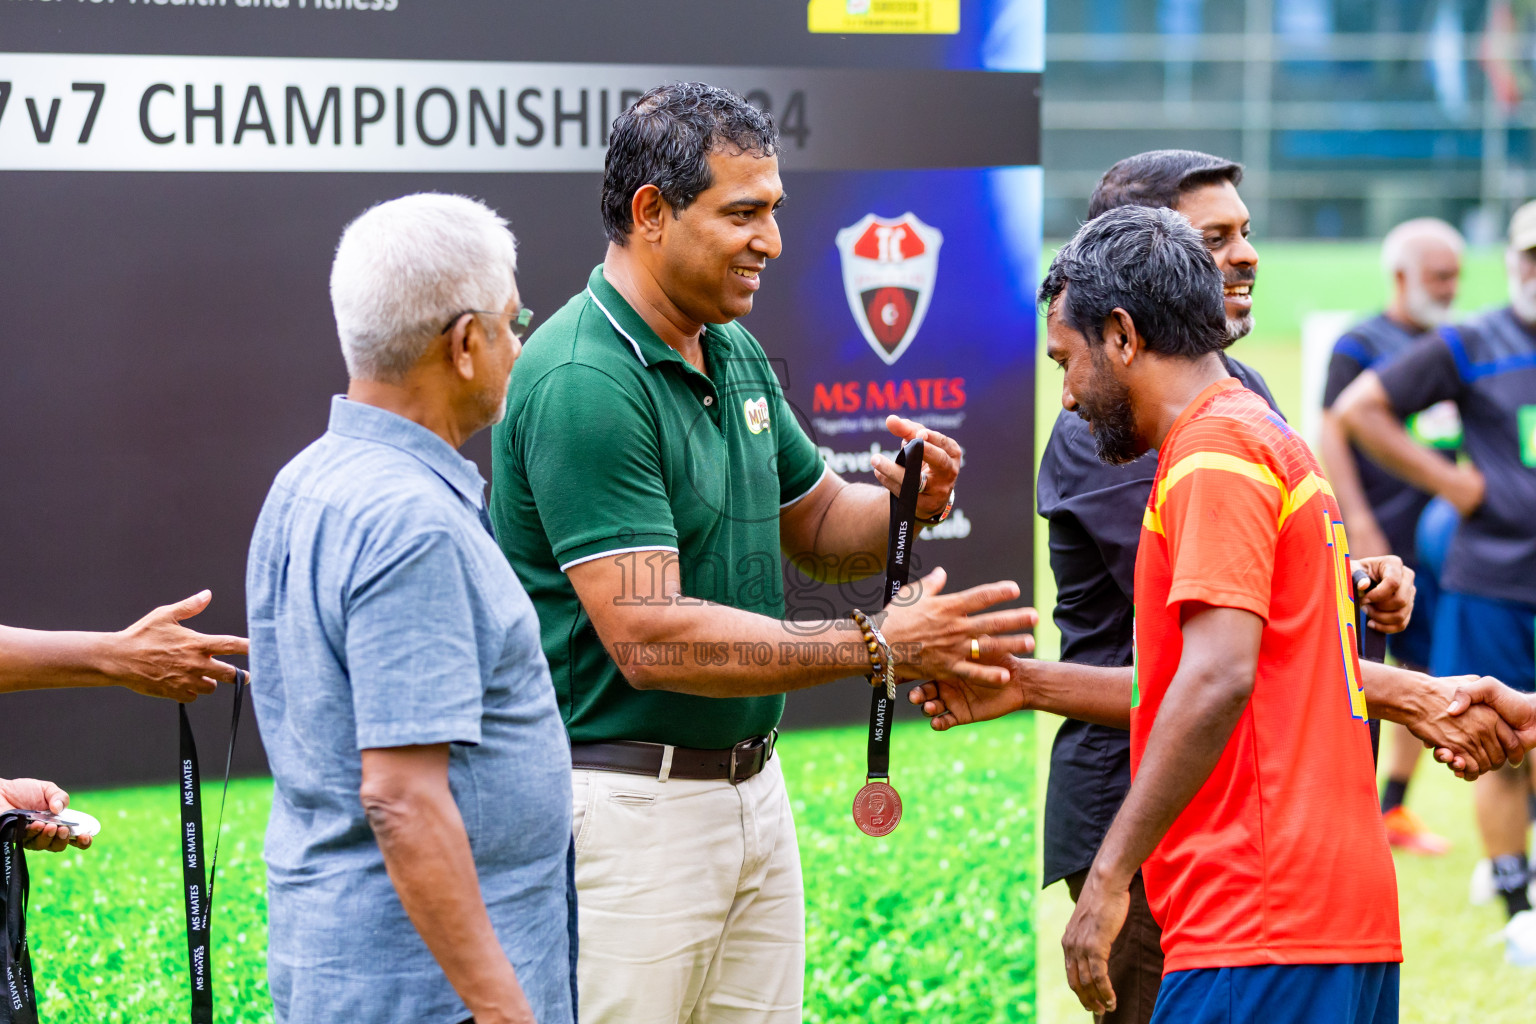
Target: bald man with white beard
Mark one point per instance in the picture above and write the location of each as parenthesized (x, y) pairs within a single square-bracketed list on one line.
[(1422, 260)]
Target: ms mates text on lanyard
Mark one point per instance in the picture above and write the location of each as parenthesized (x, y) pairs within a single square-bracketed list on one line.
[(877, 808), (198, 884), (18, 998)]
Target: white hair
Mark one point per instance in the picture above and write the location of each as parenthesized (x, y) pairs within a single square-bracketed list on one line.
[(406, 267), (1399, 251)]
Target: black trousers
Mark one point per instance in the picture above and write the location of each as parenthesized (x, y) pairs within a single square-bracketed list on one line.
[(1135, 960)]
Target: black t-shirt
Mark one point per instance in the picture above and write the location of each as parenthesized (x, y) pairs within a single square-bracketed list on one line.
[(1487, 366), (1395, 504), (1094, 512)]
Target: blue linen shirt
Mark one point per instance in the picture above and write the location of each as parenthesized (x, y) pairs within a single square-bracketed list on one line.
[(383, 614)]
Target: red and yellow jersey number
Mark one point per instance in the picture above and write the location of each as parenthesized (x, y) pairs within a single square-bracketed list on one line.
[(1344, 599)]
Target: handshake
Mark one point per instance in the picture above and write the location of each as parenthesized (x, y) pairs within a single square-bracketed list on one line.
[(1473, 724), (1483, 706)]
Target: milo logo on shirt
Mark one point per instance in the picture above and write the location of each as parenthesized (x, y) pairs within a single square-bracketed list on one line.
[(1527, 426), (756, 412), (1439, 426)]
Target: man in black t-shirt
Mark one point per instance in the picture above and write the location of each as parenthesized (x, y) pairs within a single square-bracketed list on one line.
[(1094, 512), (1381, 512), (1486, 619)]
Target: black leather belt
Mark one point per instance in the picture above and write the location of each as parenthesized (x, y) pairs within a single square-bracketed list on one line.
[(734, 764)]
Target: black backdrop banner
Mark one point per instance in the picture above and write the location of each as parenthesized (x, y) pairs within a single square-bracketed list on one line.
[(174, 177)]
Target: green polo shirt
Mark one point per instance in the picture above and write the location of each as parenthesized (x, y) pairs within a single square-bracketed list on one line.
[(613, 444)]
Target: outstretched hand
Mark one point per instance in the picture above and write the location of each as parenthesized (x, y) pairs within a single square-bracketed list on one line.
[(159, 657), (933, 634), (952, 702)]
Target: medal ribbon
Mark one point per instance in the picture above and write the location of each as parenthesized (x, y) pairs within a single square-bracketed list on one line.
[(198, 884), (18, 999), (898, 566)]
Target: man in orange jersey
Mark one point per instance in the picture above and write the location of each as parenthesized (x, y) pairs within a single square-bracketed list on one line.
[(1252, 813)]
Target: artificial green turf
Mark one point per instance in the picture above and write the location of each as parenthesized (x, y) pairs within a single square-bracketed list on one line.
[(107, 927), (933, 923)]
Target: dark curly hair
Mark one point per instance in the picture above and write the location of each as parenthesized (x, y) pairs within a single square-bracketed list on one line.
[(665, 139), (1150, 262)]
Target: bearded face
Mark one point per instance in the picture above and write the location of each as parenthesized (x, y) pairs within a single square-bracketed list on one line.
[(1422, 306), (1521, 270), (1106, 404)]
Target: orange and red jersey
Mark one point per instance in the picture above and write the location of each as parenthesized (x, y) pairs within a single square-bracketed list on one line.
[(1281, 857)]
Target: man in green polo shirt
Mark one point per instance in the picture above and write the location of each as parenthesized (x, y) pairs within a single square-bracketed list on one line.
[(648, 475)]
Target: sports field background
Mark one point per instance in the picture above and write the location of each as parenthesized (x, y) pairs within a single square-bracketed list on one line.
[(929, 925)]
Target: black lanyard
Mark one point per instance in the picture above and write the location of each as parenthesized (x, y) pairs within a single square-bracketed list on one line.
[(1373, 646), (198, 883), (877, 808), (18, 1001)]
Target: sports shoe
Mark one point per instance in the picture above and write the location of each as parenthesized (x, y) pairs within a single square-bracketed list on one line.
[(1407, 831), (1520, 939)]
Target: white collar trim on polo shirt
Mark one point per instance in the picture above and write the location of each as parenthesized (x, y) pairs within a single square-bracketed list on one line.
[(632, 341)]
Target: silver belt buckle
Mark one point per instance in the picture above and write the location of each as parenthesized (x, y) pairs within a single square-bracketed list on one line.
[(752, 745)]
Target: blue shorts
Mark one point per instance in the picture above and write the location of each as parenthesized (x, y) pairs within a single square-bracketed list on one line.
[(1432, 537), (1487, 637), (1280, 994)]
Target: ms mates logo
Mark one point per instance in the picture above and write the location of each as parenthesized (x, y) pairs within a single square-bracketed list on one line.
[(889, 267)]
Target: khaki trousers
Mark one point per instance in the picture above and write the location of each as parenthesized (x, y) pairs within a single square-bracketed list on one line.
[(690, 901)]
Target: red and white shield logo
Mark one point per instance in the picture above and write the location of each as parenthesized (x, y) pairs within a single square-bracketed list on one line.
[(889, 267)]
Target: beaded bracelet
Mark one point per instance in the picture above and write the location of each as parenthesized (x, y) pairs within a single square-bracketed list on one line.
[(882, 662)]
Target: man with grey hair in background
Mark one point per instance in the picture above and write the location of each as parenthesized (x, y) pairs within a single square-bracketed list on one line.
[(418, 849), (1485, 617), (1422, 258)]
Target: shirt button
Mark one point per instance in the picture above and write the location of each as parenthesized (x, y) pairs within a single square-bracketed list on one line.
[(709, 400)]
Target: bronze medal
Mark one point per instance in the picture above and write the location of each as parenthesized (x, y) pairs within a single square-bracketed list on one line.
[(877, 809)]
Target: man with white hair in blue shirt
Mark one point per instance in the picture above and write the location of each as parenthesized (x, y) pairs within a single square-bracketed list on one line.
[(418, 853)]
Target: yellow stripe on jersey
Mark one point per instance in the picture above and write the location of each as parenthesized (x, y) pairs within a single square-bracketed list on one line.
[(1343, 589), (1303, 493), (1290, 500), (1222, 461)]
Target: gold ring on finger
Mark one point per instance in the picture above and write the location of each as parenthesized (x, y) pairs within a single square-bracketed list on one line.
[(975, 648)]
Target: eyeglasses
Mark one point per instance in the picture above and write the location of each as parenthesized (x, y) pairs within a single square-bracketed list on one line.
[(520, 323)]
